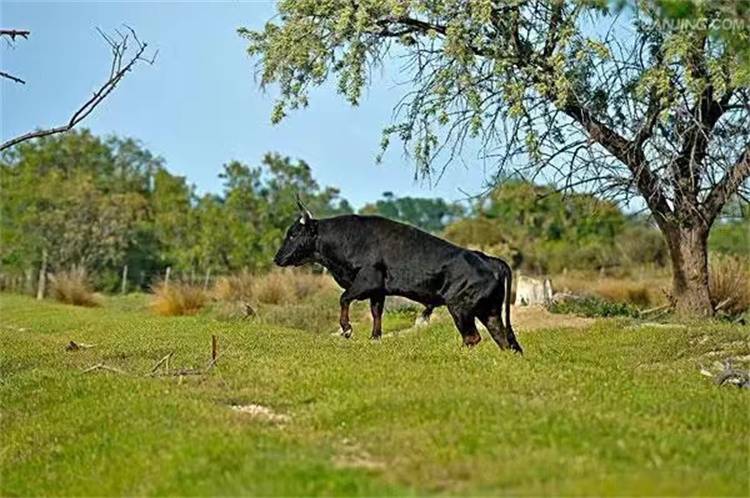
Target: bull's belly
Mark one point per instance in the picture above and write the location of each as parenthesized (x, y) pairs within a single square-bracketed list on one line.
[(426, 291)]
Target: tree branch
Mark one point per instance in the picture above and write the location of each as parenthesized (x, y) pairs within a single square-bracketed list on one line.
[(117, 73), (12, 33), (728, 185), (11, 77), (626, 152)]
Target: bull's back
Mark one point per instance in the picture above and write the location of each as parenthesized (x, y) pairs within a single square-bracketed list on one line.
[(415, 264)]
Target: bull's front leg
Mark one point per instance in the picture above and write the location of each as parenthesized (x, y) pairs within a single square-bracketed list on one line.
[(367, 284), (346, 326)]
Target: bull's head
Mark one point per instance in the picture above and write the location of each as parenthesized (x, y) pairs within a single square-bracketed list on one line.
[(299, 245)]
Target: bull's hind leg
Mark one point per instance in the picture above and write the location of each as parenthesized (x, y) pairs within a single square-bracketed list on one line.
[(502, 335), (464, 321), (376, 309)]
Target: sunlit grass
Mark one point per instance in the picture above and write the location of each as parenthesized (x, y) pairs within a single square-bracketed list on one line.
[(615, 409)]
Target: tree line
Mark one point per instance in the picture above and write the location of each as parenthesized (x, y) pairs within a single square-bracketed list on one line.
[(103, 203)]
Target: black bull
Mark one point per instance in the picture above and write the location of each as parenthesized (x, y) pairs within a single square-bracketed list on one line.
[(372, 257)]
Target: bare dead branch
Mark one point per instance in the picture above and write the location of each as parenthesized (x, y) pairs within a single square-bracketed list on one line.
[(11, 77), (13, 33), (162, 362), (118, 71), (102, 366)]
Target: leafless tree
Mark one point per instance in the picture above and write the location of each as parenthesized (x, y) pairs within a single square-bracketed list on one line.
[(127, 52)]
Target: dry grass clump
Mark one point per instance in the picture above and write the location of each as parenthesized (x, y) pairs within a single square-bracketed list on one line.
[(729, 281), (642, 290), (234, 288), (73, 287), (286, 287), (177, 298)]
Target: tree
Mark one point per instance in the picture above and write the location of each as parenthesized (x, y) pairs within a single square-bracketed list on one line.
[(431, 215), (549, 89), (123, 61), (82, 199)]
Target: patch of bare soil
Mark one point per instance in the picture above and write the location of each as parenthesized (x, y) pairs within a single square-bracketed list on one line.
[(262, 412), (527, 318)]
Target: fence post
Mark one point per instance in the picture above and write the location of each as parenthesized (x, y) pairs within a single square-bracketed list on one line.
[(205, 282), (124, 279), (166, 276), (42, 276)]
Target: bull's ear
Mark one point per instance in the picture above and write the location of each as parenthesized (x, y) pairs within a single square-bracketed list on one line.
[(305, 213)]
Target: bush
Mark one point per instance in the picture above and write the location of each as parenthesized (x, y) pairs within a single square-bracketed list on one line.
[(234, 288), (642, 245), (643, 288), (285, 287), (177, 298), (73, 287), (594, 307), (729, 281)]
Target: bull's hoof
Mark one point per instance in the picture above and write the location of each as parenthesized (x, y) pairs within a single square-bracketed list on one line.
[(472, 340), (344, 333), (375, 337)]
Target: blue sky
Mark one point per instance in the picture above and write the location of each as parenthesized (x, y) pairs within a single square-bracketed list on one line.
[(199, 106)]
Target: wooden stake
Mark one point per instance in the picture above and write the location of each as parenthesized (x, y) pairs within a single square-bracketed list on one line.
[(205, 282), (213, 348), (124, 279), (42, 276)]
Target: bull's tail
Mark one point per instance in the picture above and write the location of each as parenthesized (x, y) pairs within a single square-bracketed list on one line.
[(509, 330), (508, 286)]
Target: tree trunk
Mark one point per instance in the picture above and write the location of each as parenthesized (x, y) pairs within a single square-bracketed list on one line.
[(688, 250)]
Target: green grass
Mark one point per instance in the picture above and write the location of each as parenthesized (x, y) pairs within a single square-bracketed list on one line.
[(616, 409)]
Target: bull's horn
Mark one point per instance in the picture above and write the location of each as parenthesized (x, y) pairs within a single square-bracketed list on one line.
[(306, 214)]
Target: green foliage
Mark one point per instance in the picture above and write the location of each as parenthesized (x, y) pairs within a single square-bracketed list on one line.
[(639, 243), (592, 306), (101, 204), (602, 411), (431, 215), (551, 231), (730, 237), (582, 93), (83, 199)]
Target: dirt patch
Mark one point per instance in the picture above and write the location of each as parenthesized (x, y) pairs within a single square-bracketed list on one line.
[(526, 318), (523, 318), (262, 412)]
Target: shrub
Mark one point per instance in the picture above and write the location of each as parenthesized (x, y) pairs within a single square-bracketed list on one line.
[(274, 288), (636, 293), (644, 288), (729, 281), (284, 287), (177, 298), (641, 245), (594, 307), (73, 287), (235, 288)]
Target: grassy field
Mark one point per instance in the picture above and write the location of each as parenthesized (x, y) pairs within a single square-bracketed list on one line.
[(614, 408)]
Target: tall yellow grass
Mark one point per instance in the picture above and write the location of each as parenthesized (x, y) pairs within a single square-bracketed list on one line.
[(642, 289), (276, 287), (177, 298), (729, 281), (73, 287), (234, 288)]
